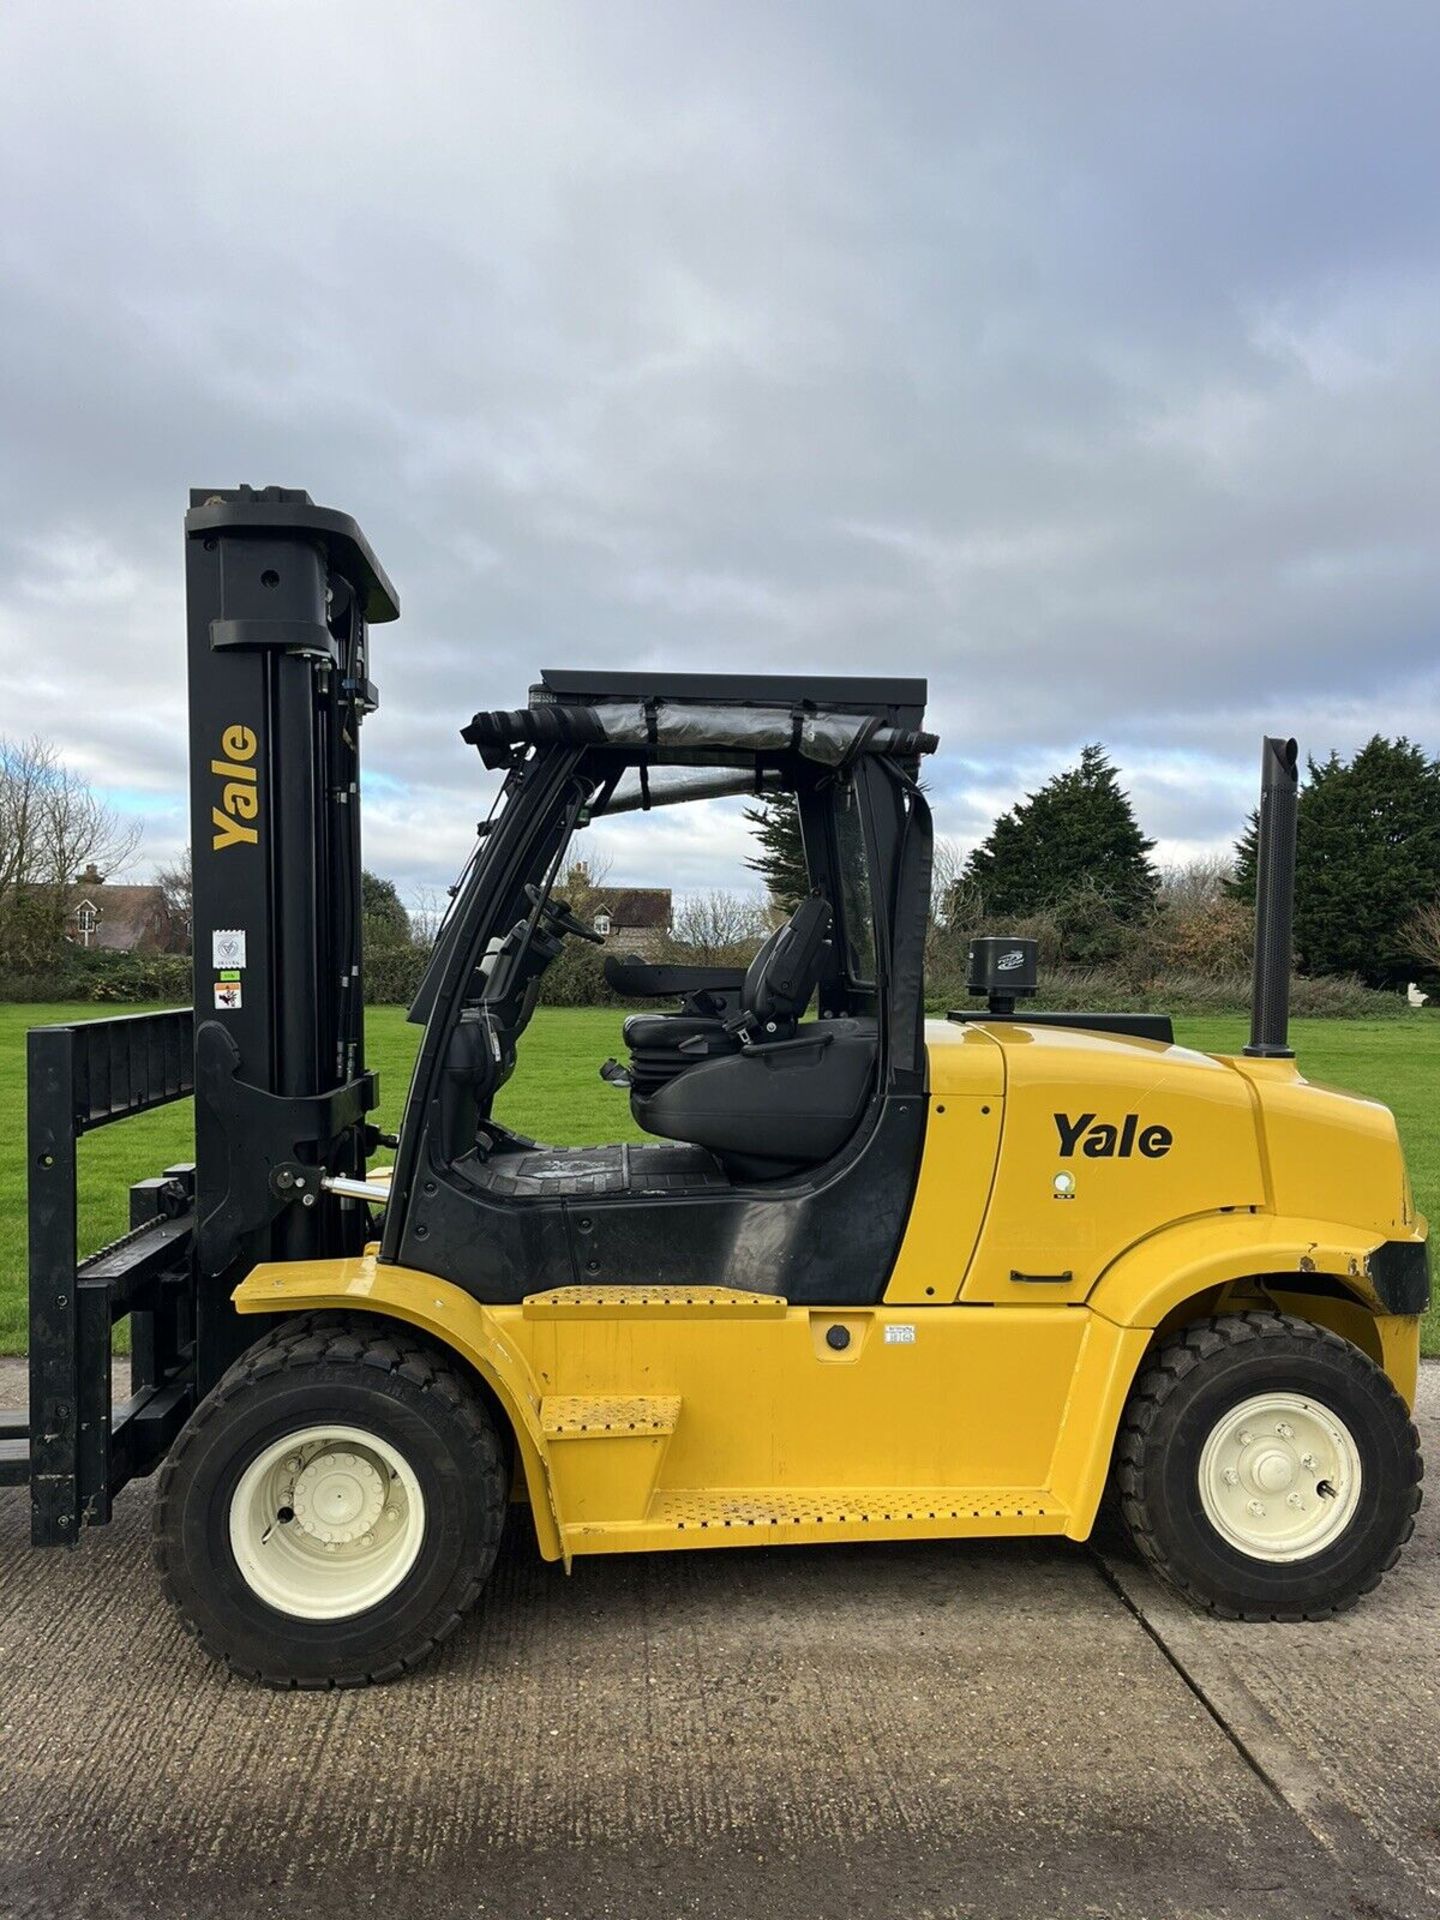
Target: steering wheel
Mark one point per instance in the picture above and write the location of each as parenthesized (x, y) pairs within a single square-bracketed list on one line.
[(560, 917)]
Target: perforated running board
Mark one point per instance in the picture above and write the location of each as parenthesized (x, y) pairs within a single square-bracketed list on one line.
[(828, 1506), (815, 1514)]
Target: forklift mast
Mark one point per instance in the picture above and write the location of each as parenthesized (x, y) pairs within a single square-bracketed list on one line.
[(280, 596)]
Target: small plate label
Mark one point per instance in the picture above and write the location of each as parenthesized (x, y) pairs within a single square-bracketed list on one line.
[(899, 1334), (227, 947)]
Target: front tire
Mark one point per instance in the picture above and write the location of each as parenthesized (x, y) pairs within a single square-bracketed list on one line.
[(333, 1508), (1267, 1469)]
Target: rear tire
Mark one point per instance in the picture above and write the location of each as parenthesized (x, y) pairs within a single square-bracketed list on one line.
[(1267, 1469), (333, 1508)]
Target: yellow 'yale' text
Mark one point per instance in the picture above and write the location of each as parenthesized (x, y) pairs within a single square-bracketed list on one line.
[(239, 791)]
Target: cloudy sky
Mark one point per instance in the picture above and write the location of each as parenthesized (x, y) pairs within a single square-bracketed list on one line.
[(1081, 357)]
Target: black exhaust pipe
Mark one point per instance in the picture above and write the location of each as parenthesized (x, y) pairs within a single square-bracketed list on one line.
[(1274, 901)]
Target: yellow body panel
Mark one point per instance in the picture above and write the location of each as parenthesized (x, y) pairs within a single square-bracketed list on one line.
[(968, 1401), (1029, 1225), (692, 1422)]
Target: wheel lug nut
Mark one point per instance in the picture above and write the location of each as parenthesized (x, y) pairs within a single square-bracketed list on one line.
[(1257, 1507), (1294, 1500), (1308, 1460), (1285, 1430), (1246, 1437), (392, 1515), (367, 1539), (1232, 1478), (292, 1465)]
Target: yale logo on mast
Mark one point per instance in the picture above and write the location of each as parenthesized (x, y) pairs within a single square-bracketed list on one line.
[(239, 791)]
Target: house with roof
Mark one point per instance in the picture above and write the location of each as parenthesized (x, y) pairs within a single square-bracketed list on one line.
[(632, 919), (122, 919)]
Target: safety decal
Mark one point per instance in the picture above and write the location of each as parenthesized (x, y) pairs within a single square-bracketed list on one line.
[(227, 947), (227, 996)]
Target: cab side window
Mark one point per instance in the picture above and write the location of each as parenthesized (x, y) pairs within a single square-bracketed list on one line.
[(857, 906)]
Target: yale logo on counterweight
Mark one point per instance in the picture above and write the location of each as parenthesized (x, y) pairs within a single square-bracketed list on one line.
[(1102, 1140), (239, 791)]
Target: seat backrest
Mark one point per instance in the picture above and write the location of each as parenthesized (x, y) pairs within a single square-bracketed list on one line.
[(782, 976)]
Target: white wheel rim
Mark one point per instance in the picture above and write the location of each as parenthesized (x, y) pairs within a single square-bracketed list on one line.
[(1280, 1477), (326, 1522)]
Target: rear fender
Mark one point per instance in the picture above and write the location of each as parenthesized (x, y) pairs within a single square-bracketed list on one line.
[(1190, 1264), (1151, 1283), (1155, 1275)]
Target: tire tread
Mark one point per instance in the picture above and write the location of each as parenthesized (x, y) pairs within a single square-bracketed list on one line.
[(1172, 1364), (331, 1338)]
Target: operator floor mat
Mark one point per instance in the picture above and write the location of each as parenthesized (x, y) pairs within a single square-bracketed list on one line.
[(545, 1172)]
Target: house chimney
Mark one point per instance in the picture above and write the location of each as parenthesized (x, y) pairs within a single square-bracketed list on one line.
[(91, 877)]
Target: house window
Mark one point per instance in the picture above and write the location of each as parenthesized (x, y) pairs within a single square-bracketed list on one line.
[(86, 919), (602, 923)]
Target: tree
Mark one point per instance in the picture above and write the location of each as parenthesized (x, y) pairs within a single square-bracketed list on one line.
[(780, 861), (177, 883), (1077, 832), (1421, 936), (582, 885), (709, 928), (52, 825), (1367, 857), (1190, 886), (428, 907), (387, 924)]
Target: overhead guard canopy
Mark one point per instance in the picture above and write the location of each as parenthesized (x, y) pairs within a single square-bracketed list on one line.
[(829, 721)]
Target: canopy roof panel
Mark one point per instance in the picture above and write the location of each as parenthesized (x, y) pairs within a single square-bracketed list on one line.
[(900, 703)]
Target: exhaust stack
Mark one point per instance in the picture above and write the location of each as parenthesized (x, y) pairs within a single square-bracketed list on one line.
[(1274, 901)]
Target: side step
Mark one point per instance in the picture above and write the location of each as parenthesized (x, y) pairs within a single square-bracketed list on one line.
[(583, 1416), (817, 1515), (606, 1450)]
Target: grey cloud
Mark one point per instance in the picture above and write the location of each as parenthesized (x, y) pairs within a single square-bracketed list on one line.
[(1083, 359)]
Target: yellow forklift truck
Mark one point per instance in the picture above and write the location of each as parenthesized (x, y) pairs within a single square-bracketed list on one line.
[(869, 1277)]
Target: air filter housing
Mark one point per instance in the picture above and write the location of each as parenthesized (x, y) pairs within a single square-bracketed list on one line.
[(1002, 970)]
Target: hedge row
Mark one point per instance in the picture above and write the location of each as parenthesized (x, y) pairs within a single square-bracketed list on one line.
[(1097, 990), (100, 975), (577, 980)]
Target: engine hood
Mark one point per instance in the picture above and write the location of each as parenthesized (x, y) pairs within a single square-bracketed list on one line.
[(1092, 1142)]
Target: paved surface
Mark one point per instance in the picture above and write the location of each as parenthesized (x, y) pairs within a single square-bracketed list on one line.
[(1000, 1730)]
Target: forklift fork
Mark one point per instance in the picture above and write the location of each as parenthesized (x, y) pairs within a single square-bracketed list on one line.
[(76, 1449)]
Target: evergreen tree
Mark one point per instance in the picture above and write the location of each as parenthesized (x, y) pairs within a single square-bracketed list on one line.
[(780, 860), (1077, 831), (387, 924), (1367, 855)]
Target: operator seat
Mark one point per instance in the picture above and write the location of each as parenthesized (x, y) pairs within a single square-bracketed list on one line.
[(783, 1094), (773, 992)]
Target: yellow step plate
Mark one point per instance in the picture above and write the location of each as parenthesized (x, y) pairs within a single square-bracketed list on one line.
[(588, 1416), (813, 1514), (652, 1303)]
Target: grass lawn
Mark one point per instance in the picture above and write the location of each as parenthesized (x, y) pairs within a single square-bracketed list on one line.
[(557, 1096)]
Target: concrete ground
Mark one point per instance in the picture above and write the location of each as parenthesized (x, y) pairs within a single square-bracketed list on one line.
[(909, 1731)]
